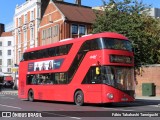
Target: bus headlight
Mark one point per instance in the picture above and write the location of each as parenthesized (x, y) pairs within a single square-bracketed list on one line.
[(110, 96)]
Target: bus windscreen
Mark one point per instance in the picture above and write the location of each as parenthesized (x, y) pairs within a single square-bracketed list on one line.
[(110, 43)]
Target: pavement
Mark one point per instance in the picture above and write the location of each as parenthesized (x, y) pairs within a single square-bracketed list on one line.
[(15, 92), (9, 91)]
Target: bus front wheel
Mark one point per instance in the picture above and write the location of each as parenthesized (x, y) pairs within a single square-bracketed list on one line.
[(79, 98), (31, 95)]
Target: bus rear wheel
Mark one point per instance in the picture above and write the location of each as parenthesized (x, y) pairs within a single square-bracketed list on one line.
[(31, 95), (79, 98)]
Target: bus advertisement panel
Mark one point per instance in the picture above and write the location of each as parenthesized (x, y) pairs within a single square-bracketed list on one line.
[(45, 65)]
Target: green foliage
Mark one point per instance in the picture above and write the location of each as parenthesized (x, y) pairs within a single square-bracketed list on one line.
[(128, 17)]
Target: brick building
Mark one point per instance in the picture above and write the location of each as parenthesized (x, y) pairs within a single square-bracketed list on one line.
[(63, 20), (148, 74)]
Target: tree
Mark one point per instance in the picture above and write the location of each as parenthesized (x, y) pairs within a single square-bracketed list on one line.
[(129, 17)]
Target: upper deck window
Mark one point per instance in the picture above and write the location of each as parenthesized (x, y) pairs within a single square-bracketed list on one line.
[(110, 43), (49, 52)]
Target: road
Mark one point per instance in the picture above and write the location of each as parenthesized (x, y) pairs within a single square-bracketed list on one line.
[(68, 111)]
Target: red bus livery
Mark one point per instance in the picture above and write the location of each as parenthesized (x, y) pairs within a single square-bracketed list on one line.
[(97, 68)]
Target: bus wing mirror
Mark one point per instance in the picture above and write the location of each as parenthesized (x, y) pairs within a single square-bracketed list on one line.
[(97, 70)]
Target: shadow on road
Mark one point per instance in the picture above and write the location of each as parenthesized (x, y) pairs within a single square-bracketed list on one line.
[(138, 102)]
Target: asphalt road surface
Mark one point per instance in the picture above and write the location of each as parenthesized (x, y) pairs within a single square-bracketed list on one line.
[(13, 108)]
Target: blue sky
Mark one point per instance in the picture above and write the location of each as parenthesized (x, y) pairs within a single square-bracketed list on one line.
[(7, 7)]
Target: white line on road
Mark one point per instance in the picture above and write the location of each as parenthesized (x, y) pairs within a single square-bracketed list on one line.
[(1, 95), (10, 106), (76, 118), (154, 105), (7, 98)]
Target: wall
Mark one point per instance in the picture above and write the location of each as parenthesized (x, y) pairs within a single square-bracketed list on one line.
[(148, 74)]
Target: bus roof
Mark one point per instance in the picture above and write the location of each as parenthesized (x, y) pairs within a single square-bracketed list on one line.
[(84, 38)]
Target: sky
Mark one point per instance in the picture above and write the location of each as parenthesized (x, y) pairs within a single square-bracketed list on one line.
[(7, 7)]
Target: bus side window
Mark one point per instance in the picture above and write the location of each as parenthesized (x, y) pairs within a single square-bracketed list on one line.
[(38, 54), (45, 53), (57, 78), (57, 51), (94, 44), (51, 52), (91, 77), (85, 47), (69, 47), (63, 50), (34, 55), (52, 78), (60, 78), (25, 56), (29, 79)]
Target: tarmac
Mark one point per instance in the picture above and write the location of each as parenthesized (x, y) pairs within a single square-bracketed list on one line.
[(15, 92)]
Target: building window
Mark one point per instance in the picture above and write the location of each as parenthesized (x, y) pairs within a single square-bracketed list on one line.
[(9, 43), (50, 19), (82, 30), (39, 13), (32, 15), (19, 56), (8, 61), (43, 36), (78, 30), (25, 18), (32, 33), (55, 30), (19, 22), (9, 70), (49, 32), (9, 52), (19, 38), (74, 29), (0, 43), (25, 36), (0, 61), (0, 52)]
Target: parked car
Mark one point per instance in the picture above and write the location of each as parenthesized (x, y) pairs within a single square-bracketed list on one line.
[(8, 84)]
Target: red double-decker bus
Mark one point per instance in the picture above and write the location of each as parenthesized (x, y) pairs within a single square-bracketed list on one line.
[(97, 68)]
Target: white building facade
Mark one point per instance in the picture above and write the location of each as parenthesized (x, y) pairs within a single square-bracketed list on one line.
[(26, 22), (6, 54), (154, 12)]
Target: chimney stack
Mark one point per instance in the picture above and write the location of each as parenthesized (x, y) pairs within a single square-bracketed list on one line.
[(1, 28), (78, 2)]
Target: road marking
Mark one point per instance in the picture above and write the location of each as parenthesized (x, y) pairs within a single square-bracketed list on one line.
[(154, 105), (76, 118), (8, 93), (10, 106), (1, 95), (62, 115), (7, 98)]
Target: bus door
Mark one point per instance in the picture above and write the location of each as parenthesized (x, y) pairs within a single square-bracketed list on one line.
[(93, 85)]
